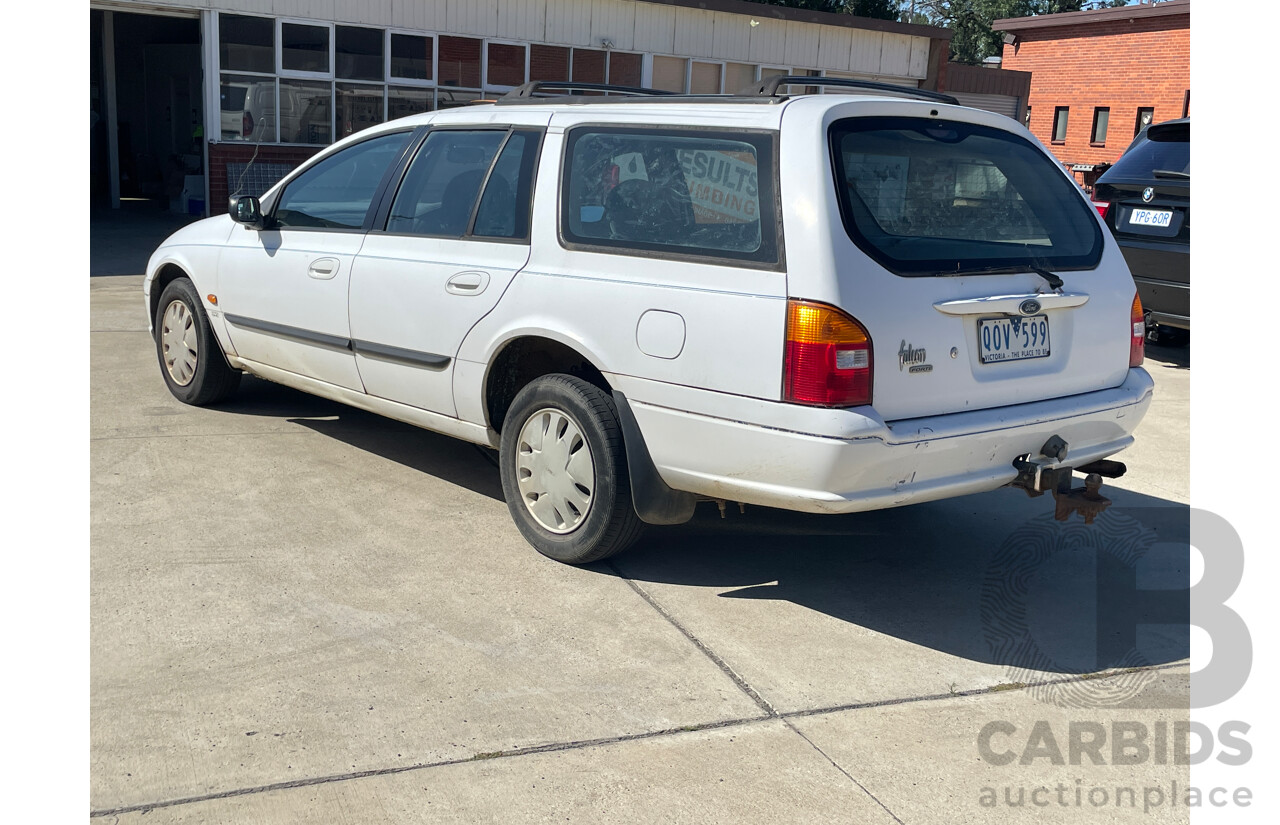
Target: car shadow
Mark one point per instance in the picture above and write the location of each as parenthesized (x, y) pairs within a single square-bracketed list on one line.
[(992, 577), (458, 462)]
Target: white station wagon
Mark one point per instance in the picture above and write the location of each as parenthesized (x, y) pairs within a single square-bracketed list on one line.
[(825, 303)]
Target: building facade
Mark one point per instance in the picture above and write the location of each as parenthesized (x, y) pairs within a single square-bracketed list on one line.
[(187, 92), (1098, 77)]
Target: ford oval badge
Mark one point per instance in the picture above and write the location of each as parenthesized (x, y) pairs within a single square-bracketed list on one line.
[(1029, 307)]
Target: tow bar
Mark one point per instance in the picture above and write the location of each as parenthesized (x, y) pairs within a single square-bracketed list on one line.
[(1047, 474)]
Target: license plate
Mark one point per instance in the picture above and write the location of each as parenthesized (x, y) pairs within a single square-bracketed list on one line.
[(1150, 217), (1013, 339)]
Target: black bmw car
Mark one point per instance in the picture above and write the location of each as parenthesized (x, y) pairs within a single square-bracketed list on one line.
[(1145, 197)]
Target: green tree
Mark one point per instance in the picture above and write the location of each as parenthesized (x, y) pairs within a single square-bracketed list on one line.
[(879, 9)]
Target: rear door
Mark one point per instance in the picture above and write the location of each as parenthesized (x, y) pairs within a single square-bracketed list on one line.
[(446, 245), (938, 221)]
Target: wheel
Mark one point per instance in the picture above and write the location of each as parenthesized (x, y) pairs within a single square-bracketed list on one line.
[(564, 471), (191, 360)]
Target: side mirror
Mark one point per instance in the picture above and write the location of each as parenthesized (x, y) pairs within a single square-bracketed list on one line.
[(248, 211)]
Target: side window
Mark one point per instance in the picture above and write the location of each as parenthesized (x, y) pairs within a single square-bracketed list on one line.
[(336, 192), (706, 194), (505, 205), (439, 191)]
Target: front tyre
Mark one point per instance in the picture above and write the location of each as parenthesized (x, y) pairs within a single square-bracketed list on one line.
[(191, 360), (564, 472)]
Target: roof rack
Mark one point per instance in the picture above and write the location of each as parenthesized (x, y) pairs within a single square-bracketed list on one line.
[(768, 87), (531, 89)]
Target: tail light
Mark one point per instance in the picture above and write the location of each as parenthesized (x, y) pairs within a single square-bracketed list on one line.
[(246, 125), (828, 357), (1103, 207), (1138, 333)]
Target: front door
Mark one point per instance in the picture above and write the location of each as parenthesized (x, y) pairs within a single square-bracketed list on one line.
[(453, 237), (283, 289)]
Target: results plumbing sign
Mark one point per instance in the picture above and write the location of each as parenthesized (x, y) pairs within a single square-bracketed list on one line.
[(723, 185)]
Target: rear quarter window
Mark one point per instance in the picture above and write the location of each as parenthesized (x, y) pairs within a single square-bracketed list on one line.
[(928, 197), (671, 193)]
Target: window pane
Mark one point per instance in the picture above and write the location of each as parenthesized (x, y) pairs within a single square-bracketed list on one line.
[(358, 107), (548, 63), (248, 107), (624, 69), (305, 111), (1145, 116), (704, 78), (738, 76), (440, 188), (588, 66), (1100, 118), (697, 194), (247, 44), (460, 62), (504, 208), (925, 200), (358, 53), (1060, 124), (668, 73), (411, 56), (337, 191), (304, 48), (506, 65), (403, 101)]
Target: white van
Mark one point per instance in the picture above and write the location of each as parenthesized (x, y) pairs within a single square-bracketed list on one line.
[(824, 303)]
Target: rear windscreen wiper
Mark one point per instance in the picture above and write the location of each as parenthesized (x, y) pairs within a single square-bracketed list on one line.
[(1054, 281), (1169, 173)]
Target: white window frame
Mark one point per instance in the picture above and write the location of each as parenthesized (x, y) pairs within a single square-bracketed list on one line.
[(392, 80), (485, 85), (688, 67), (216, 60), (293, 73), (484, 53), (386, 52), (688, 80)]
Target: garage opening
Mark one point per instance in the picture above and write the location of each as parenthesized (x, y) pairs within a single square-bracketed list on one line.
[(147, 132)]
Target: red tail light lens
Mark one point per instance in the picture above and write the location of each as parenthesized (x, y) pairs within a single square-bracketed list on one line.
[(1102, 206), (246, 125), (828, 357), (1138, 333)]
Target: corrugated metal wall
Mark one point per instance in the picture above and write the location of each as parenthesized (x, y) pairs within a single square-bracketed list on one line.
[(630, 25)]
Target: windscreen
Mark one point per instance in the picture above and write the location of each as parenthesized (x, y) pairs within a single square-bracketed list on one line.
[(930, 197), (1163, 147)]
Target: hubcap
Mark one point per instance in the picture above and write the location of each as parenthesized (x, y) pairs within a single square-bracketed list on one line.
[(555, 472), (178, 339)]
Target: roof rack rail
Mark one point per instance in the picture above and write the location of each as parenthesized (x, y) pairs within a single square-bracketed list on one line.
[(768, 87), (530, 89)]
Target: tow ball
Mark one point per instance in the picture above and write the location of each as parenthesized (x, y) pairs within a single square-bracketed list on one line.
[(1048, 474)]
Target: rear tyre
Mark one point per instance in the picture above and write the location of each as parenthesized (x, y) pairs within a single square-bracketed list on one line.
[(191, 360), (564, 471)]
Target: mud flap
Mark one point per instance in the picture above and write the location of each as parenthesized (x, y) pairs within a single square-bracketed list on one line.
[(655, 502)]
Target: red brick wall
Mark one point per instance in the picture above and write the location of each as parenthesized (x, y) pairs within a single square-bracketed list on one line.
[(1121, 64), (220, 154)]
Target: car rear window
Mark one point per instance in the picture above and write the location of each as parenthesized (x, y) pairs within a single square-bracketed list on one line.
[(929, 197), (671, 192), (1165, 147)]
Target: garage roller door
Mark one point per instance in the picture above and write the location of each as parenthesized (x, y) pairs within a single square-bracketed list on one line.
[(1000, 104)]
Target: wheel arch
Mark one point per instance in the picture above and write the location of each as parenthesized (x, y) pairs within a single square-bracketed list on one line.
[(528, 355)]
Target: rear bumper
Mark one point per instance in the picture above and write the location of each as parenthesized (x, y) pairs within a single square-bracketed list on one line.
[(879, 465)]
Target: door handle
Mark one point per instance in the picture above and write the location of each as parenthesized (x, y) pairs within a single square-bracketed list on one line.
[(323, 268), (472, 282)]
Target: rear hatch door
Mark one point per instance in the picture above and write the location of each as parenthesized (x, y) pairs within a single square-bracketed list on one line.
[(981, 271)]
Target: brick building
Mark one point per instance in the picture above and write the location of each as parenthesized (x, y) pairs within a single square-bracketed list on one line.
[(1098, 77)]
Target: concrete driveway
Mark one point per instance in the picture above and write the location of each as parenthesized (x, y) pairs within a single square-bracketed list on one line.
[(302, 612)]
